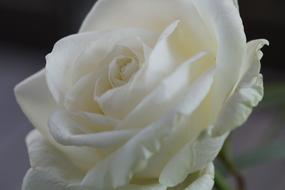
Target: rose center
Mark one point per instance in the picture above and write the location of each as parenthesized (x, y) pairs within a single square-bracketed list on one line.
[(122, 69)]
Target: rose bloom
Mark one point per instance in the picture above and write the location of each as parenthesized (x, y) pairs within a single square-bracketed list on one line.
[(142, 98)]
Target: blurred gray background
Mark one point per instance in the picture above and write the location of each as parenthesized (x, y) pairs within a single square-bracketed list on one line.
[(28, 30)]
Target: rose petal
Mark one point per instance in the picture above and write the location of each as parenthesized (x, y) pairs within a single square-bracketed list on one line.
[(49, 167), (79, 54), (143, 187), (118, 102), (61, 60), (246, 95), (68, 132), (117, 169), (236, 3), (224, 21), (36, 101), (194, 156), (107, 14), (102, 122), (164, 97), (77, 101), (204, 182), (198, 93), (201, 180), (194, 35)]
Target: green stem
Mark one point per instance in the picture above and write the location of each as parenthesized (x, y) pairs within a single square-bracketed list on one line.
[(220, 181), (231, 167)]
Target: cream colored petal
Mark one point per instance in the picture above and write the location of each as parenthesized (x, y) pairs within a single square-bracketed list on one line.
[(160, 66), (224, 21), (236, 3), (50, 168), (202, 183), (68, 132), (196, 95), (36, 101), (102, 122), (118, 169), (155, 16), (205, 181), (193, 157), (39, 179), (200, 180), (143, 187), (118, 102), (60, 62), (165, 96), (246, 95), (79, 98), (77, 55), (108, 14)]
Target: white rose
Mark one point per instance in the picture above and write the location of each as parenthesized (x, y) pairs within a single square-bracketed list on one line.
[(142, 98)]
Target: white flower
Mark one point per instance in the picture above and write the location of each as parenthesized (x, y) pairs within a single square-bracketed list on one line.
[(142, 98)]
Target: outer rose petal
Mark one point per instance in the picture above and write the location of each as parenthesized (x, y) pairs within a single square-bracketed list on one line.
[(54, 169), (60, 62), (35, 100), (246, 95), (201, 180), (143, 187), (236, 3), (204, 182), (109, 14), (224, 20), (191, 158), (154, 15), (37, 103), (51, 169)]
